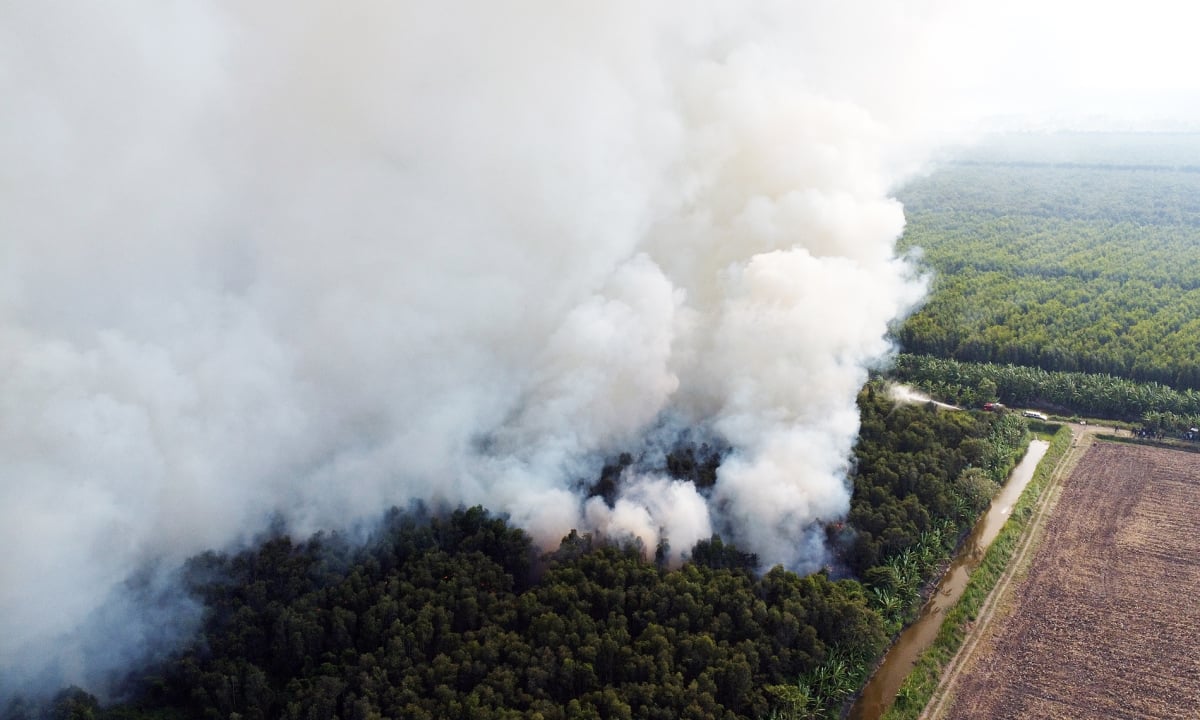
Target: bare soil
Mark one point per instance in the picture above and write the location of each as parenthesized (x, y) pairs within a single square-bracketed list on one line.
[(1106, 623)]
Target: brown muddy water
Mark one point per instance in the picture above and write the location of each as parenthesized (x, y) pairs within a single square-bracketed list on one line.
[(881, 689)]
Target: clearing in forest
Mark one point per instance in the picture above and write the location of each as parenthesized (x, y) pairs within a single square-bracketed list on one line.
[(1107, 622)]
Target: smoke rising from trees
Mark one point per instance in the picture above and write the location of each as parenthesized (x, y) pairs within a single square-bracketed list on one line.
[(306, 261)]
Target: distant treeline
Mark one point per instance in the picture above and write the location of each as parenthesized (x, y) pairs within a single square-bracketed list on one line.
[(1088, 149), (1042, 165), (1067, 191), (459, 617)]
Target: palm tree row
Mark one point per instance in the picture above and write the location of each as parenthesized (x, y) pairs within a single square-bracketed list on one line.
[(1096, 395)]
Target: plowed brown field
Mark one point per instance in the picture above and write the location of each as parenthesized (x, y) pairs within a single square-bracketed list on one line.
[(1107, 622)]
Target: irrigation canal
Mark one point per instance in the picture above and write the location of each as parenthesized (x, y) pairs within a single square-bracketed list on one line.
[(881, 688)]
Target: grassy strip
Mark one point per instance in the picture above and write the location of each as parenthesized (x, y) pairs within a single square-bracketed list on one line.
[(919, 686)]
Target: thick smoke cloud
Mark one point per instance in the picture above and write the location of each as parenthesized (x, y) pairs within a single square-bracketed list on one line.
[(311, 260)]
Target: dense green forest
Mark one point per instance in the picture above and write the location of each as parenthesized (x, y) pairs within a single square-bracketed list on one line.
[(1084, 265), (920, 470), (459, 617)]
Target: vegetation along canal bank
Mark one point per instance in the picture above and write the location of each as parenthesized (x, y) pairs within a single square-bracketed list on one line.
[(994, 572), (879, 691)]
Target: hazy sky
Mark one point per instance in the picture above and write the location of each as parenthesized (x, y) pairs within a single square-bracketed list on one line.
[(1091, 65)]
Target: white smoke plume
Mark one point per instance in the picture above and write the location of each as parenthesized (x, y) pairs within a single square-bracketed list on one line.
[(315, 259)]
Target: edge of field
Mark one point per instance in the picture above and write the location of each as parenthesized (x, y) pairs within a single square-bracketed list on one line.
[(925, 691)]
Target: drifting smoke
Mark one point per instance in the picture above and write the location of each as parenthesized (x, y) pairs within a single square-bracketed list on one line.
[(906, 394), (314, 260)]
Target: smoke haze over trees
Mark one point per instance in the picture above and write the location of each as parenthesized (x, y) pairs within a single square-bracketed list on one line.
[(457, 616), (287, 263), (301, 263)]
